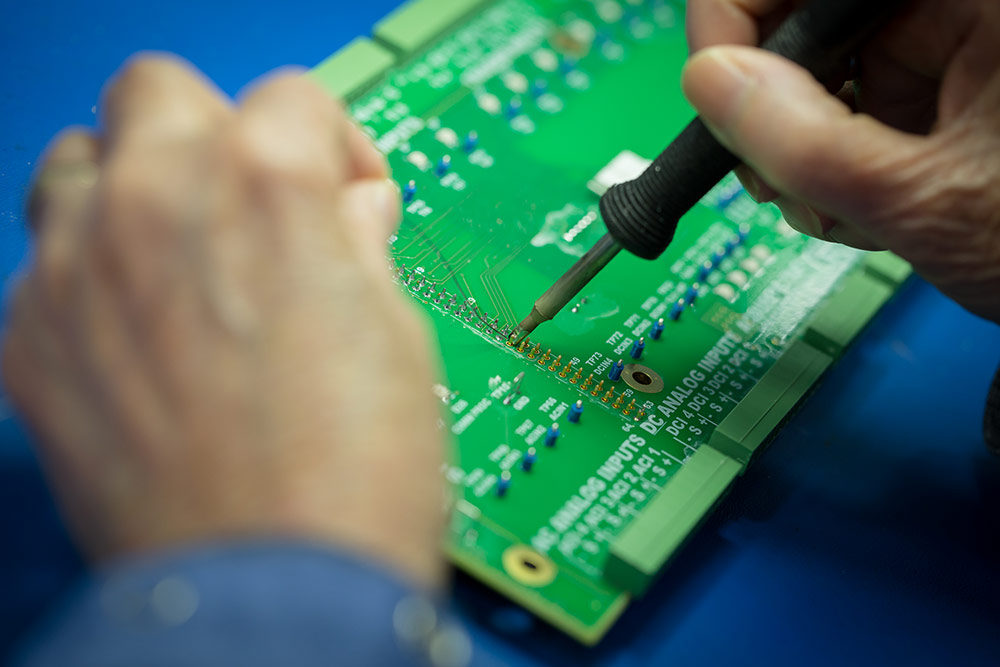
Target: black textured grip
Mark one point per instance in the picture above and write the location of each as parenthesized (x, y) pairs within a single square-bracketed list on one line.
[(642, 214)]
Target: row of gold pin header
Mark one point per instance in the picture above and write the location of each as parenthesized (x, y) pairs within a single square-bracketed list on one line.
[(575, 376)]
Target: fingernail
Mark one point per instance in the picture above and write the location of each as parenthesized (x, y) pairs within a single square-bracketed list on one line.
[(714, 83), (750, 183), (759, 191)]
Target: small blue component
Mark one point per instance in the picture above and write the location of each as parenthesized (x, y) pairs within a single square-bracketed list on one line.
[(657, 331), (744, 232), (539, 88), (731, 245), (567, 65), (705, 270), (552, 435), (503, 483), (471, 142), (409, 192), (637, 348), (692, 294), (529, 459), (514, 108), (443, 166), (676, 310), (615, 374), (717, 258), (730, 197), (575, 411)]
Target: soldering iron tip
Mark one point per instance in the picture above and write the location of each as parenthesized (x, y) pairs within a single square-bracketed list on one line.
[(519, 335), (528, 325)]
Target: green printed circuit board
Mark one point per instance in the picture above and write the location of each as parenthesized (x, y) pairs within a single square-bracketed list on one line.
[(503, 120)]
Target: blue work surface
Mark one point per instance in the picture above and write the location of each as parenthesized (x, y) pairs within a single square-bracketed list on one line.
[(867, 534)]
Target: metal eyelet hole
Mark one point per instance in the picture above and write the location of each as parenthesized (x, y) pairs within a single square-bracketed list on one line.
[(642, 378)]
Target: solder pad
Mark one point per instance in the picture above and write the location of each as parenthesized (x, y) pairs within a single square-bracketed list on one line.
[(529, 100)]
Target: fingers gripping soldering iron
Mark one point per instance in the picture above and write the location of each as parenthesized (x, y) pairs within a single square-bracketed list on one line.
[(641, 215)]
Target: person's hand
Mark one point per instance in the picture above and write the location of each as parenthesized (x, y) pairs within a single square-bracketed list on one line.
[(208, 344), (917, 171)]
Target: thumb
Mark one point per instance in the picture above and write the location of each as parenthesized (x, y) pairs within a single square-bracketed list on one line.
[(802, 140)]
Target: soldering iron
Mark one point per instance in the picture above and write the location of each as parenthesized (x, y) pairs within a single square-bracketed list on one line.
[(641, 215)]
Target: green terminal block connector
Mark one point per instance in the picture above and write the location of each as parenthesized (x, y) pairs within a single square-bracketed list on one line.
[(640, 553), (350, 71), (846, 313), (414, 25), (888, 268), (748, 426)]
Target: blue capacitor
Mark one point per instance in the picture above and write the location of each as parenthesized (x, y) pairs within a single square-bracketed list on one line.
[(657, 331), (539, 87), (743, 232), (575, 411), (514, 108), (637, 348), (471, 142), (615, 374), (705, 270), (567, 65), (717, 258), (443, 166), (529, 459), (503, 483), (552, 435), (676, 310), (692, 294), (730, 245), (409, 191)]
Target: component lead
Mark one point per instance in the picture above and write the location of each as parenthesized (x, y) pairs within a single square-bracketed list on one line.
[(503, 483), (529, 459), (657, 331), (676, 310), (692, 294), (409, 191)]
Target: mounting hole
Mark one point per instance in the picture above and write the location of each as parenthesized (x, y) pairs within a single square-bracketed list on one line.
[(642, 378), (528, 567)]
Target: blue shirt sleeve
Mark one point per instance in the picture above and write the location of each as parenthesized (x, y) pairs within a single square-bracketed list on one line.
[(247, 604)]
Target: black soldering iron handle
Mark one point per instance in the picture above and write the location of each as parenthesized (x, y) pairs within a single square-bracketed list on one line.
[(642, 214)]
